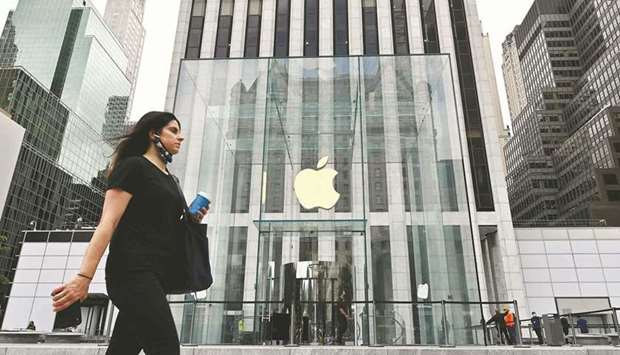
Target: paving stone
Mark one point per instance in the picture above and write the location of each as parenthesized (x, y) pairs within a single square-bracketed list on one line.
[(93, 349)]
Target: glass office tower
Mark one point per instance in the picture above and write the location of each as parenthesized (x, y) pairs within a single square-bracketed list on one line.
[(62, 79)]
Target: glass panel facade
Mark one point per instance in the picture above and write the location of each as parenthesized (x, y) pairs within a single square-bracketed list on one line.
[(397, 217), (59, 173), (68, 51), (44, 263), (62, 79), (95, 76)]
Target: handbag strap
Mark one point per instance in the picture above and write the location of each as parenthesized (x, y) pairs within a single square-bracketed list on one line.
[(185, 207)]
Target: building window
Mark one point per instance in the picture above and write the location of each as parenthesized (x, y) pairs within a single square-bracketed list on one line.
[(283, 13), (341, 28), (196, 24), (252, 29), (369, 21), (36, 237), (429, 26), (311, 28), (610, 179), (66, 52), (471, 108), (399, 27), (60, 237), (224, 29), (613, 195)]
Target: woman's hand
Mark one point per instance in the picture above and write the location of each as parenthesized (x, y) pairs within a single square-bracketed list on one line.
[(69, 293), (198, 216)]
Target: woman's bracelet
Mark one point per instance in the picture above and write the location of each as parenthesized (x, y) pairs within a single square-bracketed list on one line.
[(84, 276)]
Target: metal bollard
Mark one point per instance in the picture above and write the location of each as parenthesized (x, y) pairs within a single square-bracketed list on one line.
[(444, 324), (108, 328), (291, 328), (614, 317), (519, 340), (191, 327)]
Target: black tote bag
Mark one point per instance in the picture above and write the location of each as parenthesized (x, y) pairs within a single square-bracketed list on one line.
[(193, 269)]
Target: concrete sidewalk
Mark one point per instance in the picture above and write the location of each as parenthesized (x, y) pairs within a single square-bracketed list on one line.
[(64, 349)]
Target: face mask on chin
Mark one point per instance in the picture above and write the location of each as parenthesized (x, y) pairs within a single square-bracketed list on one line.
[(163, 152)]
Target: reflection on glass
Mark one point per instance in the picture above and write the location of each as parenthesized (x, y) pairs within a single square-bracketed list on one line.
[(390, 128)]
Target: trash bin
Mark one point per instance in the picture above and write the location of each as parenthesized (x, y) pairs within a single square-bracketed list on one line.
[(554, 336)]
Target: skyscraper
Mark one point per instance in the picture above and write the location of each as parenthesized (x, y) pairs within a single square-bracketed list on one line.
[(70, 52), (495, 110), (561, 69), (125, 20), (8, 49), (396, 96), (61, 77), (513, 77), (12, 134)]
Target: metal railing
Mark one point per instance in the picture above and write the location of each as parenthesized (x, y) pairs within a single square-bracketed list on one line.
[(602, 329), (445, 323), (598, 327)]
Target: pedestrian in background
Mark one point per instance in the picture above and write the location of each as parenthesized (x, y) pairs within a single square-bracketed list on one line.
[(537, 327), (509, 321), (498, 320)]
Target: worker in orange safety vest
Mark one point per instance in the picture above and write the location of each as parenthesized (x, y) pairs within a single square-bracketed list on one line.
[(509, 321)]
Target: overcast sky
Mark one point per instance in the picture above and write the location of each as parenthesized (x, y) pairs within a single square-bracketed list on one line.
[(498, 19)]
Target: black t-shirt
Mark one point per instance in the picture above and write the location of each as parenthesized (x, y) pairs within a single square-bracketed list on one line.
[(343, 305), (145, 236)]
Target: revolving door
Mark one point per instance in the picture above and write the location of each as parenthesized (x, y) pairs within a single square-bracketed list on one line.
[(310, 299), (311, 284)]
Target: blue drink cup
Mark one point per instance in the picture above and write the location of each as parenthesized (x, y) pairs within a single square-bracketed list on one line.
[(199, 202)]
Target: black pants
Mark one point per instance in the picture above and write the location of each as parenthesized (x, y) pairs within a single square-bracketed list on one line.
[(144, 320), (538, 332), (512, 335), (506, 335), (342, 328)]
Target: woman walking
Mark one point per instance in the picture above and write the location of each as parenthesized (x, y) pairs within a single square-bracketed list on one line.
[(139, 221)]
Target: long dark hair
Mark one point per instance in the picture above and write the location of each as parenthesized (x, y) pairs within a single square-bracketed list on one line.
[(137, 141)]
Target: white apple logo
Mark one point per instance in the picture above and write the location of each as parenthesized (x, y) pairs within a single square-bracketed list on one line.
[(314, 188), (423, 291)]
